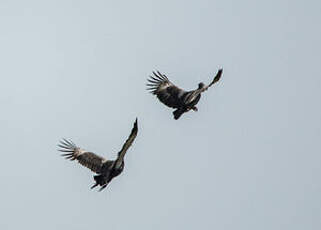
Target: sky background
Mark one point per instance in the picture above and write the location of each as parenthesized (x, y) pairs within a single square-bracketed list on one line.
[(249, 159)]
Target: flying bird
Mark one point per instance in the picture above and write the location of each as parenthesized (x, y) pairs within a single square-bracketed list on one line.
[(174, 97), (105, 169)]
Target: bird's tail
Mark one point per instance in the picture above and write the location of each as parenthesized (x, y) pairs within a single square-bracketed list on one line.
[(99, 181), (178, 113)]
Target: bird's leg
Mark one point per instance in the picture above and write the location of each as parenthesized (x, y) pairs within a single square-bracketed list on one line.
[(195, 108), (102, 187), (94, 186)]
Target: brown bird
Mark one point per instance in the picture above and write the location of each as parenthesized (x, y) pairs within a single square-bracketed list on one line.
[(105, 169), (174, 97)]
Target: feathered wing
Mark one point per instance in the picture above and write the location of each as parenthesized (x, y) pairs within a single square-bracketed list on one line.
[(192, 95), (126, 146), (167, 92), (87, 159), (216, 79)]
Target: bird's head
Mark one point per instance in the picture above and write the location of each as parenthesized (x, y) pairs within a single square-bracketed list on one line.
[(201, 85)]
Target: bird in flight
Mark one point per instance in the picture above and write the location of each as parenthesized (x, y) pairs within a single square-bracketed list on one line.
[(105, 169), (174, 97)]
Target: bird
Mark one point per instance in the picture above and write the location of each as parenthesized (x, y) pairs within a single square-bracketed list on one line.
[(105, 169), (174, 97)]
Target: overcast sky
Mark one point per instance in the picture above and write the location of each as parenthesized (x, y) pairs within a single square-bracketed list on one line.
[(249, 159)]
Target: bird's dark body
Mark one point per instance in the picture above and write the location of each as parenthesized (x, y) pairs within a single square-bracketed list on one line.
[(172, 101), (186, 107), (110, 172)]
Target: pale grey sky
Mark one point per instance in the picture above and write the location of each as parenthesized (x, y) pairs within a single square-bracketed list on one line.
[(249, 159)]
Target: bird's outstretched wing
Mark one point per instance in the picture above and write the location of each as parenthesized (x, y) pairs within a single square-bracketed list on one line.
[(192, 95), (166, 91), (126, 146), (216, 79), (87, 159)]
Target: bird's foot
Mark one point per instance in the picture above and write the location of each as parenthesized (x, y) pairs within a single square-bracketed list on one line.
[(94, 186), (195, 108), (102, 187)]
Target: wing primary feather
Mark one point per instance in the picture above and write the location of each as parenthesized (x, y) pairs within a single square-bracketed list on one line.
[(156, 79), (127, 144), (168, 93), (64, 140), (151, 88), (63, 146), (65, 151), (69, 143), (161, 75), (217, 77), (88, 159), (153, 81), (72, 143), (149, 84), (156, 75)]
